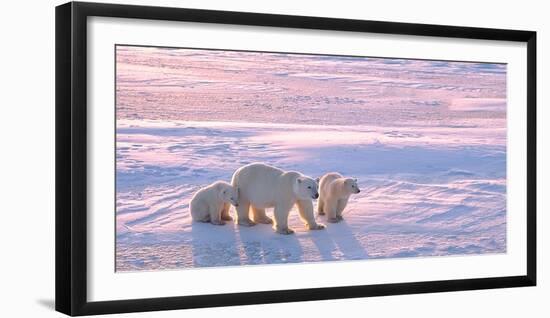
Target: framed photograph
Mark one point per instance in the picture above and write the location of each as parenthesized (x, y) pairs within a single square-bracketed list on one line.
[(209, 158)]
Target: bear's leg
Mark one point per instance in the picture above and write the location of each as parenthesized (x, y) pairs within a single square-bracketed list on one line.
[(320, 206), (242, 214), (340, 206), (330, 209), (215, 214), (204, 217), (305, 208), (259, 216), (225, 212), (281, 219)]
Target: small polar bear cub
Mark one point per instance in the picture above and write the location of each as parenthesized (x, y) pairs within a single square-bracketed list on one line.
[(261, 186), (335, 191), (212, 203)]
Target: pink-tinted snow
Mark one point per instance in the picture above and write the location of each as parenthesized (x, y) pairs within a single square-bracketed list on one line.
[(426, 139)]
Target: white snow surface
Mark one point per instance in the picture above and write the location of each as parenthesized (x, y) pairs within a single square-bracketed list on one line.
[(421, 193), (425, 139)]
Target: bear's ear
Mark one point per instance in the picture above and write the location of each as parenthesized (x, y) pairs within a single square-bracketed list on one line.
[(317, 179), (355, 179), (299, 180)]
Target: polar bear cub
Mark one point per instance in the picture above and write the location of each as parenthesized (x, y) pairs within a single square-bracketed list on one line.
[(212, 203), (261, 186), (335, 191)]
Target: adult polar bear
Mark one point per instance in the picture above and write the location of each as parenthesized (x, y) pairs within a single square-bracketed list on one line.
[(260, 186)]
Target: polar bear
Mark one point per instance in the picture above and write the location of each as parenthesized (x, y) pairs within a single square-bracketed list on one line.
[(335, 191), (260, 186), (212, 203)]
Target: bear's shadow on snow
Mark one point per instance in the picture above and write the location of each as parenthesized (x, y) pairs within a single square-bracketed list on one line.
[(214, 245), (261, 245), (338, 242), (233, 245)]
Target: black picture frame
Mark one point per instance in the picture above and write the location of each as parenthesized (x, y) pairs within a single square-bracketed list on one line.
[(71, 157)]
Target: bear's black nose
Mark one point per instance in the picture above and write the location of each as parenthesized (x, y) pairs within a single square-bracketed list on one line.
[(358, 191), (316, 195)]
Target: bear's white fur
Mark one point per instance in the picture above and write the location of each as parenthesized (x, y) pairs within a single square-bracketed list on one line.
[(260, 186), (212, 203), (335, 191)]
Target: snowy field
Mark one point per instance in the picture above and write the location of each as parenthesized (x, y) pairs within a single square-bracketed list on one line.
[(426, 140)]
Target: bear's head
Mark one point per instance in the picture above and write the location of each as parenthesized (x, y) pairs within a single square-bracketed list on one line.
[(306, 188), (351, 186), (227, 193)]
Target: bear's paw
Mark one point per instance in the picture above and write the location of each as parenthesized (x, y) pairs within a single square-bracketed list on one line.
[(265, 220), (285, 231), (317, 226), (246, 222)]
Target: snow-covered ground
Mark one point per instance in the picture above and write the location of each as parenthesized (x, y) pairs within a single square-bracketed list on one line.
[(426, 140)]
